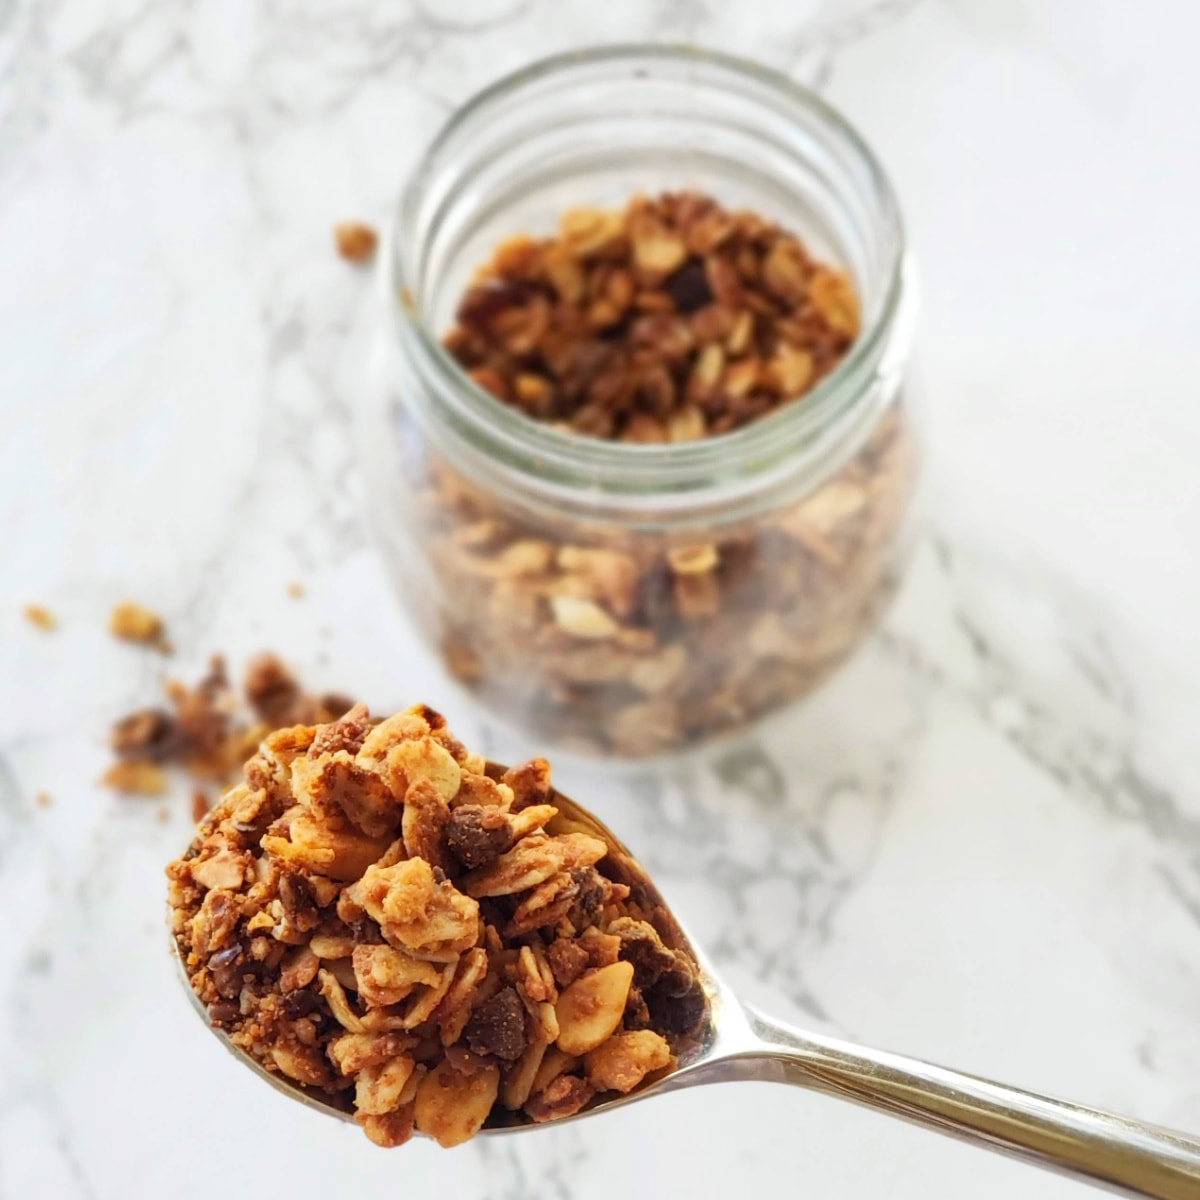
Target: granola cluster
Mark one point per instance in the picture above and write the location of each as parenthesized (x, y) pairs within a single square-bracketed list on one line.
[(381, 917), (208, 730), (669, 321)]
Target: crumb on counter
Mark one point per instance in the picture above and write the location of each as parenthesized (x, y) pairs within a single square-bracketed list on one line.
[(133, 622), (40, 616), (136, 778), (295, 589), (43, 800), (356, 241)]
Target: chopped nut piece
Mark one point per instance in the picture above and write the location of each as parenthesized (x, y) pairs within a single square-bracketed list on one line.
[(592, 1007), (42, 617), (583, 618), (355, 241), (452, 1106)]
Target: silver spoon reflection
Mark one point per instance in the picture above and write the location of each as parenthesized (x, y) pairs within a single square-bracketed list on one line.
[(739, 1043)]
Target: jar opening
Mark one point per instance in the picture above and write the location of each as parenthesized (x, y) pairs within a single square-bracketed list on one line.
[(592, 129)]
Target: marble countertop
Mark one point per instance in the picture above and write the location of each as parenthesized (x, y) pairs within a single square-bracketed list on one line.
[(980, 844)]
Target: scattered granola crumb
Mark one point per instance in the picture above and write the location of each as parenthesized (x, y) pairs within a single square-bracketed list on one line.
[(200, 805), (43, 800), (136, 778), (209, 731), (162, 814), (356, 241), (133, 622), (295, 589), (342, 927), (42, 617)]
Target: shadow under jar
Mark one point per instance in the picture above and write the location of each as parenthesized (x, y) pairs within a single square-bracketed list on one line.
[(624, 598)]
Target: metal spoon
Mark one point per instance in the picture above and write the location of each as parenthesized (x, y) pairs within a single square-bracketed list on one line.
[(739, 1043)]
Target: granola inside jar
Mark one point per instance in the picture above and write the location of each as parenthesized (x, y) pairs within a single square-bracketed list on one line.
[(642, 454)]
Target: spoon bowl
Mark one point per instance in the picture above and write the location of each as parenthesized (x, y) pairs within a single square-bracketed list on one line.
[(736, 1042)]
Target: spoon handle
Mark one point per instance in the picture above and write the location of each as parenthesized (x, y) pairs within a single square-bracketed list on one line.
[(1125, 1156)]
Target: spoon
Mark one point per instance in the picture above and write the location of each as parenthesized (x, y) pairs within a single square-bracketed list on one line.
[(737, 1042)]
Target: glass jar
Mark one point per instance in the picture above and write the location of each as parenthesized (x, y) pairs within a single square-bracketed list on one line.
[(622, 598)]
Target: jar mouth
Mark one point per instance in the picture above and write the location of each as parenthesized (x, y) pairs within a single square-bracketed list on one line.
[(522, 444)]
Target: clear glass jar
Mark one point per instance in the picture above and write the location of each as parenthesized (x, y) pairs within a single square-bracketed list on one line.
[(720, 579)]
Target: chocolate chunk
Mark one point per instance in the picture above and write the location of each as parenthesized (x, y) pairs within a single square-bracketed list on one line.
[(568, 960), (676, 1014), (497, 1026), (477, 835), (301, 1003), (688, 286)]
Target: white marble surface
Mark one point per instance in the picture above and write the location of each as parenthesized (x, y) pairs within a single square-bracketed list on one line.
[(980, 844)]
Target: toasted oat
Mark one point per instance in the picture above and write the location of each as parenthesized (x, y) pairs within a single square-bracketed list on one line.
[(296, 589), (43, 800), (355, 241), (380, 965), (40, 616)]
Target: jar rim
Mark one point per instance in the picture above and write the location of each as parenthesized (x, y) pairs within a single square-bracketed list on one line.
[(525, 444)]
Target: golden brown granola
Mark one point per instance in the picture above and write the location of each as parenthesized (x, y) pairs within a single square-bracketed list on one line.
[(380, 916), (40, 616), (355, 241), (672, 320)]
